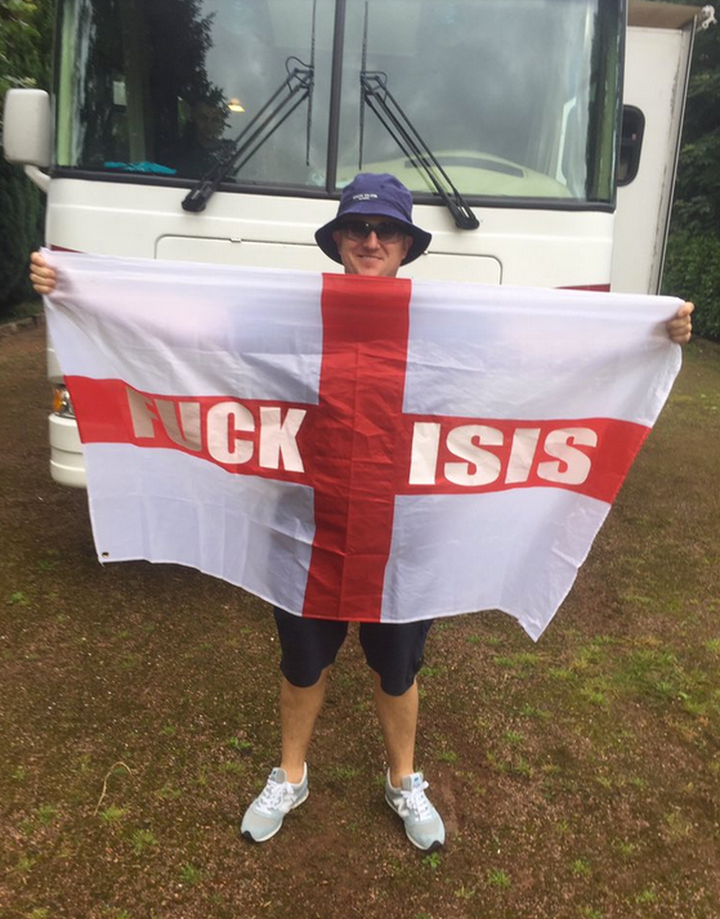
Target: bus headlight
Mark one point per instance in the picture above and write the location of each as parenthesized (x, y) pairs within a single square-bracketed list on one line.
[(61, 402)]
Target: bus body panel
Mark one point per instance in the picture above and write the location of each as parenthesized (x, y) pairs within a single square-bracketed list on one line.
[(517, 246), (644, 206)]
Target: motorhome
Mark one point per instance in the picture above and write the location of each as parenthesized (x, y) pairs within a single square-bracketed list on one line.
[(539, 138)]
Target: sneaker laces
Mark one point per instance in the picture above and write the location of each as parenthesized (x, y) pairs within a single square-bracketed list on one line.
[(276, 796), (415, 802)]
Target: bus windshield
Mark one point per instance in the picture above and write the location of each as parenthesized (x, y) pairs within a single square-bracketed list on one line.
[(514, 100)]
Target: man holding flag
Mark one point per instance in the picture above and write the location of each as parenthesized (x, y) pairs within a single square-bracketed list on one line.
[(371, 236)]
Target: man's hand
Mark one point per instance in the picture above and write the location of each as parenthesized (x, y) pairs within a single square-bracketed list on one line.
[(42, 277), (680, 328)]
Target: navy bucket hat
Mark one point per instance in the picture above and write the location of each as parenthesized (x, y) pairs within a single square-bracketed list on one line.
[(380, 195)]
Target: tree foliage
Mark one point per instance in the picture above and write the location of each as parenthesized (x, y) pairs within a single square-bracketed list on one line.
[(25, 29), (25, 38), (692, 271), (692, 267), (697, 198), (21, 220)]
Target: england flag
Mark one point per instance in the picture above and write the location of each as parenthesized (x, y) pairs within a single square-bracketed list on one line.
[(354, 448)]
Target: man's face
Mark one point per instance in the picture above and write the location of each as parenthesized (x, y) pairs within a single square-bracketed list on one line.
[(209, 124), (363, 251)]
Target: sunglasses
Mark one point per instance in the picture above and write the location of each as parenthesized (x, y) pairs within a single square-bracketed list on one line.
[(386, 232)]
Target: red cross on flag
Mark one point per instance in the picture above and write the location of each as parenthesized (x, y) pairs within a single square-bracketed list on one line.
[(356, 448)]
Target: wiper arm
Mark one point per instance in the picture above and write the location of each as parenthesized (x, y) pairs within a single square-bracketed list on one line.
[(378, 98), (292, 92)]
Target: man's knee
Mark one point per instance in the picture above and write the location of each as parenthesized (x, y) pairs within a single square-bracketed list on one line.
[(395, 652), (287, 686), (309, 647)]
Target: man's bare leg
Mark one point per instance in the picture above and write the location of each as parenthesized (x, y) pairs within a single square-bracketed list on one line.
[(299, 708), (398, 719)]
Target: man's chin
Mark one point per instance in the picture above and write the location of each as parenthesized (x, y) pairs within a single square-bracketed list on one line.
[(374, 270)]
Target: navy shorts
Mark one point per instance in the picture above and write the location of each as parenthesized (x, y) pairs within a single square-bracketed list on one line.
[(394, 652)]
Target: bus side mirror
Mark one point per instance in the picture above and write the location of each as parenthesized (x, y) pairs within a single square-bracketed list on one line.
[(27, 123), (631, 138)]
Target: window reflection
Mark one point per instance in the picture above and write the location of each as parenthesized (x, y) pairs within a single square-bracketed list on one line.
[(516, 100), (164, 86)]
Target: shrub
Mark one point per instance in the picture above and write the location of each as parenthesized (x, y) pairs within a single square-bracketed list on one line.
[(692, 271), (21, 210)]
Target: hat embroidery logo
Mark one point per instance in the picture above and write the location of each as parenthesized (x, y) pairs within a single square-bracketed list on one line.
[(364, 197)]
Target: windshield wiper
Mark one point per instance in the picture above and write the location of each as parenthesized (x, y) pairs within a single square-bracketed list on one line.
[(380, 100), (376, 95), (292, 92)]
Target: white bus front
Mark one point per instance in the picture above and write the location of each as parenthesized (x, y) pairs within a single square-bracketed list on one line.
[(500, 113)]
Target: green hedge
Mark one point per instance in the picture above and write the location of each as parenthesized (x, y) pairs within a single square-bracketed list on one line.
[(21, 218), (692, 271)]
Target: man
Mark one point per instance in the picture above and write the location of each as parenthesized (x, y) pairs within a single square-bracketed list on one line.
[(202, 145), (372, 235)]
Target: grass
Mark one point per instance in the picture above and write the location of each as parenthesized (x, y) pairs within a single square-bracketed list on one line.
[(141, 840), (581, 868), (500, 879), (190, 875), (432, 861), (112, 815), (24, 865), (24, 310), (465, 893), (242, 746), (46, 814), (17, 598)]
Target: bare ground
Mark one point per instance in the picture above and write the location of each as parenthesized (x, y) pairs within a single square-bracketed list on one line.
[(578, 777)]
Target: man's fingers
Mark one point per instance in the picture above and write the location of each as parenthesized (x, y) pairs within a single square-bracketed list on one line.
[(42, 276), (679, 328), (685, 310)]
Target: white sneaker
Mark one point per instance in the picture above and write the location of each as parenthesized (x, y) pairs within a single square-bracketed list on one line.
[(423, 825), (265, 815)]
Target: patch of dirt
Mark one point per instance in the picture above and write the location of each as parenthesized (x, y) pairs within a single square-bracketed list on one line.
[(578, 777)]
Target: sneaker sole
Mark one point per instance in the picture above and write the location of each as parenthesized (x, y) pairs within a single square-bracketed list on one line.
[(433, 847), (250, 838)]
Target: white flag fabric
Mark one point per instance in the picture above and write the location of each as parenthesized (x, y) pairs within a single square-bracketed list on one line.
[(356, 448)]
